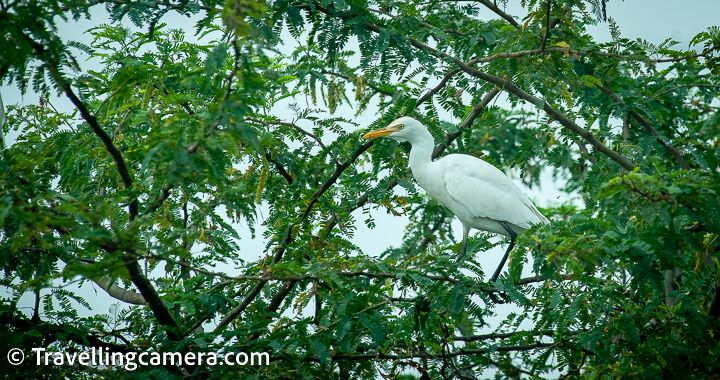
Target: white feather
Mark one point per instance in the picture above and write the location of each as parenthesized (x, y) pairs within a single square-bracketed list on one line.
[(479, 194)]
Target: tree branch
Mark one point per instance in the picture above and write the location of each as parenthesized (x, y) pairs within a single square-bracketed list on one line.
[(279, 168), (104, 137), (499, 12), (437, 88), (505, 84), (689, 56), (292, 125), (338, 171), (50, 334), (684, 86), (114, 291), (491, 336), (714, 309), (547, 27), (280, 249), (158, 307), (648, 127)]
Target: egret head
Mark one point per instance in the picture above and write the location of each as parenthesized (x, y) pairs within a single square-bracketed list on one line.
[(402, 129)]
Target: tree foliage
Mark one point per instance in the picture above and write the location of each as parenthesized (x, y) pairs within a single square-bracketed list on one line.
[(146, 187)]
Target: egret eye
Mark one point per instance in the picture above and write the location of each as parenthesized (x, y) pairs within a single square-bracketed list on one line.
[(400, 126)]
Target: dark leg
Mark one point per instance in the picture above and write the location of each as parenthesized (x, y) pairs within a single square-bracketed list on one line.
[(513, 236), (463, 248)]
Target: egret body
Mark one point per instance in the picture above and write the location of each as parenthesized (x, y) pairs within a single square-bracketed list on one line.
[(479, 194)]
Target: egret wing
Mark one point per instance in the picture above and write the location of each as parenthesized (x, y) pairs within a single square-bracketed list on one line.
[(487, 192)]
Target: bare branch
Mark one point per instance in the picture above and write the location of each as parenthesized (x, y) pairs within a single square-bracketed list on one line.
[(499, 12), (114, 291), (279, 168)]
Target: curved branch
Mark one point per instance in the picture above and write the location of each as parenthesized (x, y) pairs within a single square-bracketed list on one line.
[(114, 291), (104, 137)]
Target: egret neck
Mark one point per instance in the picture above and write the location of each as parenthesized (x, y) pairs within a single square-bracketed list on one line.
[(423, 145)]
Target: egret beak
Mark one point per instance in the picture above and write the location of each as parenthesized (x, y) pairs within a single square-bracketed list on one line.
[(382, 132)]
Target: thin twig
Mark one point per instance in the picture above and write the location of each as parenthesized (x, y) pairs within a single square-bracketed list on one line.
[(437, 88), (683, 86), (59, 114), (288, 124)]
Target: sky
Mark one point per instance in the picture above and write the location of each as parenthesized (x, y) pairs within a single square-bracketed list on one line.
[(651, 20)]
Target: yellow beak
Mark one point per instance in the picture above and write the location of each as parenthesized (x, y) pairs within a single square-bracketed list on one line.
[(382, 132)]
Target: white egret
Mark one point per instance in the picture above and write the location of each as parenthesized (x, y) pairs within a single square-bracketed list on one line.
[(479, 194)]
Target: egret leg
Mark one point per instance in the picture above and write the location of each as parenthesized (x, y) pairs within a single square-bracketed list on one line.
[(463, 248), (513, 236)]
